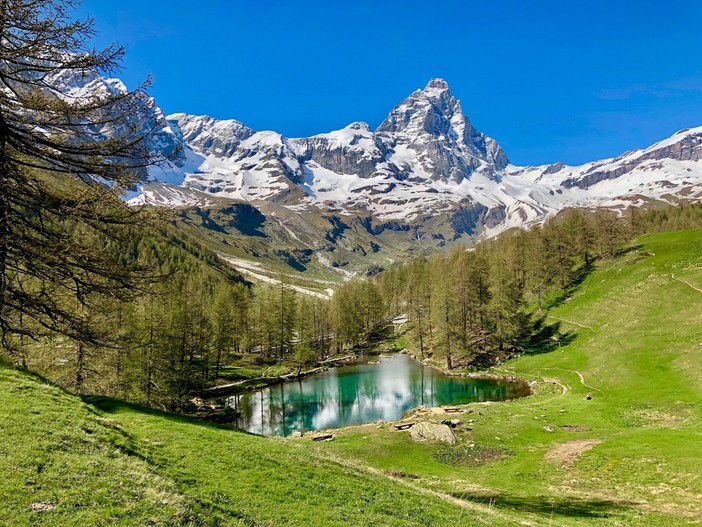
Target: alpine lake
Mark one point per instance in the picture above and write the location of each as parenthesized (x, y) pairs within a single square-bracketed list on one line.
[(360, 393)]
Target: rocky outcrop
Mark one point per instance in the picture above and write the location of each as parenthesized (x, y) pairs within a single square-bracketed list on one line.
[(211, 136), (468, 219), (686, 148), (426, 431), (163, 140), (352, 150)]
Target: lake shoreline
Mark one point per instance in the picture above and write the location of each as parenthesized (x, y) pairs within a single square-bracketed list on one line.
[(250, 385), (474, 375), (389, 387)]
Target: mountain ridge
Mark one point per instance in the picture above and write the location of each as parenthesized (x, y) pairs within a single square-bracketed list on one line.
[(349, 198), (425, 158)]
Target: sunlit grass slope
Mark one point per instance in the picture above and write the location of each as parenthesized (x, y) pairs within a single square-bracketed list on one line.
[(630, 455), (66, 462)]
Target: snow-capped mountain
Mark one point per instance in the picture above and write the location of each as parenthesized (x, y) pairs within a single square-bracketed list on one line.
[(428, 132), (351, 200), (116, 116), (425, 159)]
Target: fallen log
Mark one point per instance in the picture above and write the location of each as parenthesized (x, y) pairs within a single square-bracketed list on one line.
[(404, 426)]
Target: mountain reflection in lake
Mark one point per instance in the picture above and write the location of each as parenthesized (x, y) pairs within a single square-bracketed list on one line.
[(360, 394)]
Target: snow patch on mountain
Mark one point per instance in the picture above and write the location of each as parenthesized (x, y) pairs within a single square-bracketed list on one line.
[(424, 159)]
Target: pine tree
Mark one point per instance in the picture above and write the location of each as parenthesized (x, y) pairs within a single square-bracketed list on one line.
[(538, 274), (349, 315), (444, 297), (506, 302), (59, 226), (610, 232), (559, 261), (223, 326), (419, 303)]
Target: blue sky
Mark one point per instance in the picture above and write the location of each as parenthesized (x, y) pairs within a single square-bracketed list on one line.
[(569, 81)]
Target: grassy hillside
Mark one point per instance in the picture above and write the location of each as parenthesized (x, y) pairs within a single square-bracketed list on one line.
[(314, 244), (630, 455), (66, 462)]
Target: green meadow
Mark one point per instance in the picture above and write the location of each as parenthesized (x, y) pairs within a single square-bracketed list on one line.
[(611, 436)]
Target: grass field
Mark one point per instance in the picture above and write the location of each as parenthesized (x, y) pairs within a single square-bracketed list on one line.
[(630, 455)]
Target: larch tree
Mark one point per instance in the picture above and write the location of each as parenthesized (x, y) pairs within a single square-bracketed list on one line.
[(64, 158)]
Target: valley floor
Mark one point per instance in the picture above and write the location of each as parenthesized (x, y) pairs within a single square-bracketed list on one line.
[(629, 454)]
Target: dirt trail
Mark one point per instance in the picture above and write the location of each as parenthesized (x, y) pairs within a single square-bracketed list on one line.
[(685, 282), (564, 387), (582, 381), (569, 451), (464, 504), (580, 376)]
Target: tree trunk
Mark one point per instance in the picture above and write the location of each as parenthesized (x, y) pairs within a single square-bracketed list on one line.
[(539, 294), (4, 226), (80, 366), (420, 332), (150, 356), (449, 346)]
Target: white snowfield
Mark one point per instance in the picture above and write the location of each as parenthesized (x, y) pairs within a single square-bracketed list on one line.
[(424, 159)]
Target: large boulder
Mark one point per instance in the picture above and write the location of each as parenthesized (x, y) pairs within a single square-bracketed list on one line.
[(432, 432)]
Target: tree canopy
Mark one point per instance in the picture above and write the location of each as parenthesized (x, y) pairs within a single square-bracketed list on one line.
[(65, 154)]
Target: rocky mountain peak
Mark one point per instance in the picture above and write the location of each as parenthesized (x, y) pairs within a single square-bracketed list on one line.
[(358, 125), (425, 111), (436, 85), (206, 134), (431, 123), (438, 92)]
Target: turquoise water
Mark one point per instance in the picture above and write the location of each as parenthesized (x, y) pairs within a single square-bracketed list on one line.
[(359, 394)]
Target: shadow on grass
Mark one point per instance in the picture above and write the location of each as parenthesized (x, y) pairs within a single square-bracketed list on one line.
[(631, 249), (586, 269), (111, 405), (545, 338), (569, 507), (578, 278)]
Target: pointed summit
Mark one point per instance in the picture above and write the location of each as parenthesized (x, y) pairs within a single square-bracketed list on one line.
[(436, 85), (429, 110), (432, 123), (437, 92), (432, 111)]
